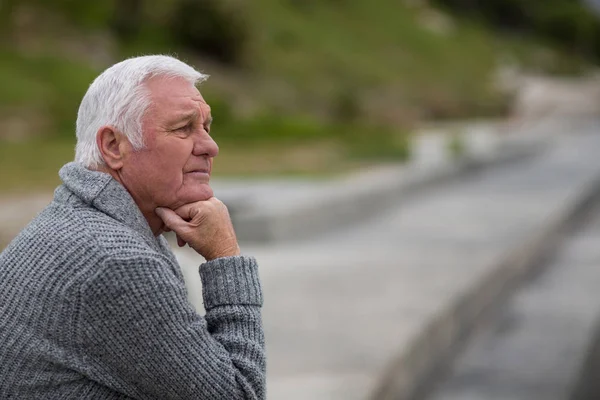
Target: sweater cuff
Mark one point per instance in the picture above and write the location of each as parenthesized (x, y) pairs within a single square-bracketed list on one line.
[(230, 281)]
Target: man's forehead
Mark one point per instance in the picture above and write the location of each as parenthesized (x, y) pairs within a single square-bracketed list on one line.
[(178, 95), (189, 109), (170, 88), (181, 103), (191, 105)]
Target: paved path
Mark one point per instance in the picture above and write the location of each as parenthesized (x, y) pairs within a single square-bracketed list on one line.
[(276, 210), (536, 346), (341, 307)]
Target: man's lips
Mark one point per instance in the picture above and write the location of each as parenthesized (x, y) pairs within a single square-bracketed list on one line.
[(203, 174), (205, 170)]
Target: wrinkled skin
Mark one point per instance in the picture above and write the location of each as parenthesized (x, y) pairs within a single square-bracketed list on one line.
[(169, 178), (175, 164)]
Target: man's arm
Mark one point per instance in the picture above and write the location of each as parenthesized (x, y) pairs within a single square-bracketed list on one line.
[(140, 335)]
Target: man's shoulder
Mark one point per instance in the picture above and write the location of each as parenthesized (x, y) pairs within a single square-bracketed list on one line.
[(64, 227), (78, 240)]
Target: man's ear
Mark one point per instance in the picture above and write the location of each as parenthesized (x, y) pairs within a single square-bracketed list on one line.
[(111, 145)]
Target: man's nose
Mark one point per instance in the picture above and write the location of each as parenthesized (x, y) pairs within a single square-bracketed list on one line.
[(204, 145)]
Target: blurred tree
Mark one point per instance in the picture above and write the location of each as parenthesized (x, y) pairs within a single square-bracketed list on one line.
[(215, 28), (569, 23), (212, 28), (6, 9), (346, 105), (128, 18)]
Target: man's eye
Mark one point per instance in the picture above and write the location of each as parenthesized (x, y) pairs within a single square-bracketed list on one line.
[(184, 128)]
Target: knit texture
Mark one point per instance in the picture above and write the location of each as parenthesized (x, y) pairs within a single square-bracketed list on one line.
[(93, 306)]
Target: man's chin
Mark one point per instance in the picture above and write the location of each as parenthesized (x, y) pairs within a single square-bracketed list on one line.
[(202, 193), (189, 195)]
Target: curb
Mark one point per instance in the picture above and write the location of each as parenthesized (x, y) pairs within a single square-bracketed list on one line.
[(348, 201), (408, 373)]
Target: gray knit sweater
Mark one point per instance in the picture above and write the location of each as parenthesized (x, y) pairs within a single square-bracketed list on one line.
[(93, 306)]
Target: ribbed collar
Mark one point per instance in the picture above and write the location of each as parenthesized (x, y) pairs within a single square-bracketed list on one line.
[(103, 192)]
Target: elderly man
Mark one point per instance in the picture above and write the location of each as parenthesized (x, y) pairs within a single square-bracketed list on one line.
[(93, 301)]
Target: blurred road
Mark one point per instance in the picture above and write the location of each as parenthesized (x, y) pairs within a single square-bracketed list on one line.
[(386, 297), (343, 308), (536, 347)]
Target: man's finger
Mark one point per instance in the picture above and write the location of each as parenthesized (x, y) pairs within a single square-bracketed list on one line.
[(190, 210), (170, 218), (185, 211)]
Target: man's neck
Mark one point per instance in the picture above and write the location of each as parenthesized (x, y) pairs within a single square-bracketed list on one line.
[(155, 223)]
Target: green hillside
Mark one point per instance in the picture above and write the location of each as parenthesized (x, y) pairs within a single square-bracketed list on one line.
[(336, 83)]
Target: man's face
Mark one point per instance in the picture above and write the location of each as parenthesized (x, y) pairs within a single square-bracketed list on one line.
[(175, 164)]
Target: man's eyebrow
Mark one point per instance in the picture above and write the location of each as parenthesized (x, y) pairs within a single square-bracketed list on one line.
[(209, 120), (183, 117)]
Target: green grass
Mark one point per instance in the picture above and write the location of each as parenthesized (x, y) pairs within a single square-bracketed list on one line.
[(48, 86), (330, 46), (385, 57), (32, 165)]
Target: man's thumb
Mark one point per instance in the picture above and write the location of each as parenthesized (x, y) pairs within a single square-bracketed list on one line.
[(170, 218)]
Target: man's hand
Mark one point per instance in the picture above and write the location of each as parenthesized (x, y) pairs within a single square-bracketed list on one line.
[(205, 226)]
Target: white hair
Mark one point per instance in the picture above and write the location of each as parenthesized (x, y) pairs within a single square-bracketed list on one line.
[(119, 98)]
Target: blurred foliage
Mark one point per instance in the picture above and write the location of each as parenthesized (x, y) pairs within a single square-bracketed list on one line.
[(339, 50), (569, 23), (34, 164), (357, 140), (47, 85), (346, 106), (343, 79), (210, 28), (379, 143), (213, 27)]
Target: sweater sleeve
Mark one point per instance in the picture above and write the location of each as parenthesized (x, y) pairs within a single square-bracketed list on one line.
[(142, 337)]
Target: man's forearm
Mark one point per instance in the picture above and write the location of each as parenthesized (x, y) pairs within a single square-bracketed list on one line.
[(233, 299)]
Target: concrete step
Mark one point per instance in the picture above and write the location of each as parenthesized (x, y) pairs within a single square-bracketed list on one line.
[(538, 345)]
